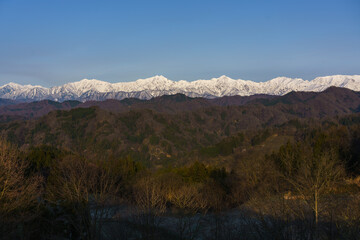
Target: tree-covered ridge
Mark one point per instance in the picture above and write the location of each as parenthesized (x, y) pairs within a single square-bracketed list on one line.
[(153, 134), (317, 163), (258, 171)]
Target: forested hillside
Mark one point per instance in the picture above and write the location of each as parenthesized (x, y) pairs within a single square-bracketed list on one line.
[(175, 167)]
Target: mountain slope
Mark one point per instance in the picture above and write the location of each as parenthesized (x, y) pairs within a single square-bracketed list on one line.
[(332, 101), (5, 102), (168, 127), (148, 88), (166, 103)]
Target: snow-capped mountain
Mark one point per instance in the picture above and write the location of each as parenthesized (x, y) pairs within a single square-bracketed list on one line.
[(86, 89)]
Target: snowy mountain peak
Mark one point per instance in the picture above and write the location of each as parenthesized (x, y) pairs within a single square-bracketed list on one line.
[(93, 81), (13, 85), (92, 89), (158, 79), (85, 85), (87, 82), (224, 77), (336, 79)]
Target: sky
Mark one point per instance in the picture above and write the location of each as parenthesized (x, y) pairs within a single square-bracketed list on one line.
[(50, 43)]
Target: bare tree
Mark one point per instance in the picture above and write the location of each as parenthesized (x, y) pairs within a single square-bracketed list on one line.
[(88, 191), (316, 175), (188, 201), (148, 193), (18, 192)]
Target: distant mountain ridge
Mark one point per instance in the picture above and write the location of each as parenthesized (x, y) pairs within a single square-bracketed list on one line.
[(96, 90), (333, 101)]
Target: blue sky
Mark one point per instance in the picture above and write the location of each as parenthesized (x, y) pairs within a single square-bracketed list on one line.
[(58, 41)]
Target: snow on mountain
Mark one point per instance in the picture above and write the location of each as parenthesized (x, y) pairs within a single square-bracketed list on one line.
[(345, 81), (147, 88)]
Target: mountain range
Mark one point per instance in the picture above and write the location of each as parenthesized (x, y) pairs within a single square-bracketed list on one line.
[(171, 127), (95, 90), (330, 102)]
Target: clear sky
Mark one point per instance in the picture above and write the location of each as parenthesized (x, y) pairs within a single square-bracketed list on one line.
[(52, 42)]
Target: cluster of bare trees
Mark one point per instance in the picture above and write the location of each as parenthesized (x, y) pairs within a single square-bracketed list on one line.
[(84, 192), (87, 191), (303, 204), (18, 193), (189, 203), (298, 192)]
